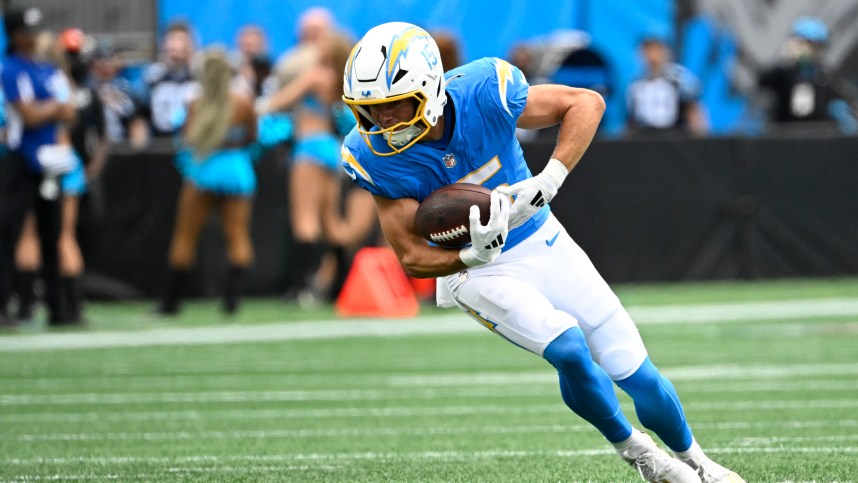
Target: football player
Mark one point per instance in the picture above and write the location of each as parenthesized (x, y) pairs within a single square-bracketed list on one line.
[(522, 277)]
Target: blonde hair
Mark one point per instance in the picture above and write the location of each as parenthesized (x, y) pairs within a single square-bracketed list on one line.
[(338, 48), (213, 110), (48, 50)]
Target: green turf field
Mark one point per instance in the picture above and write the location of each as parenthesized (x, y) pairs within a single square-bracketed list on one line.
[(768, 374)]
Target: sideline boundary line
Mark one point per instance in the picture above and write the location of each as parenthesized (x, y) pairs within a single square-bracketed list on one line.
[(448, 324)]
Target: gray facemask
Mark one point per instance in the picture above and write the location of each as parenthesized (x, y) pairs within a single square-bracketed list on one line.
[(402, 137)]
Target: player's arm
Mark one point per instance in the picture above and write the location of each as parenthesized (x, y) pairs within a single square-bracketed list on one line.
[(422, 260), (415, 254), (578, 111)]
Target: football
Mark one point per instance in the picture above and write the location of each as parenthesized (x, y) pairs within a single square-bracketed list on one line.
[(442, 217)]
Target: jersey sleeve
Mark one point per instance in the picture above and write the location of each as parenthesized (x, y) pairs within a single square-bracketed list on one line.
[(363, 169), (356, 165), (504, 92), (354, 169)]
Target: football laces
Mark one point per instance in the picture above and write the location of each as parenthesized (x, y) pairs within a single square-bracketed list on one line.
[(450, 234)]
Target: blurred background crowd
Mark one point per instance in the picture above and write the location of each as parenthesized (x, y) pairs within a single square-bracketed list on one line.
[(243, 98)]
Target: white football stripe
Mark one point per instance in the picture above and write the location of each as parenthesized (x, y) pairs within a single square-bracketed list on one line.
[(399, 431), (455, 322), (432, 455), (173, 471), (356, 395), (755, 379), (681, 373)]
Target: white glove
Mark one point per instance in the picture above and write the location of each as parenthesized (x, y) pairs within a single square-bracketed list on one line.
[(487, 240), (534, 193), (56, 159)]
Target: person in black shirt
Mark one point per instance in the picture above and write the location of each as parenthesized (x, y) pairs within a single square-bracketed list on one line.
[(83, 197), (124, 111), (800, 83), (170, 81)]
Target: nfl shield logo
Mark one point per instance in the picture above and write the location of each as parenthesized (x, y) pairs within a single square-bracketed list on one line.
[(449, 160)]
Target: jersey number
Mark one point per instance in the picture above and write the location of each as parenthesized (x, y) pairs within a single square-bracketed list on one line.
[(483, 173)]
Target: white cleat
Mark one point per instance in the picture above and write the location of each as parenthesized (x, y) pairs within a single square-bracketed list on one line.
[(654, 464), (711, 472)]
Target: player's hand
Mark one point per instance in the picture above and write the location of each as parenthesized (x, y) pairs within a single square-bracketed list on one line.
[(534, 193), (487, 240)]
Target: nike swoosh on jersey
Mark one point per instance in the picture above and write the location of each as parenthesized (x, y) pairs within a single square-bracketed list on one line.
[(553, 239)]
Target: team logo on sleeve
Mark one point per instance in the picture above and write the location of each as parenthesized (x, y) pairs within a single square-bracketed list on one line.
[(352, 167), (504, 73), (449, 160)]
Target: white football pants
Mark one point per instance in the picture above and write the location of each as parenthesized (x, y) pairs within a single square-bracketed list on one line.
[(543, 286)]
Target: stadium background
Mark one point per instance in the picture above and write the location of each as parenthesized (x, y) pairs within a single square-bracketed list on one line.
[(747, 202), (766, 368)]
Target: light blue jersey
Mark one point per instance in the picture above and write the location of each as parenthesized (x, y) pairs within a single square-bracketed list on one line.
[(488, 96)]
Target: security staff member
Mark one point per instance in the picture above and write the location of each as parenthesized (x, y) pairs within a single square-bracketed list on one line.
[(39, 97)]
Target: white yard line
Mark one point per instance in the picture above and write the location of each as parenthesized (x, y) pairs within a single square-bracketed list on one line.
[(423, 455), (726, 312), (323, 329), (414, 393), (754, 379), (103, 415), (170, 471), (797, 439), (704, 373), (399, 431), (357, 396), (453, 323)]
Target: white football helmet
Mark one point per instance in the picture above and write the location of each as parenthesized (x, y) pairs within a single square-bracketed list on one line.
[(395, 61)]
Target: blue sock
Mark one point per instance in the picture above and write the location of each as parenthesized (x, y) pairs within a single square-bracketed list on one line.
[(657, 406), (586, 387)]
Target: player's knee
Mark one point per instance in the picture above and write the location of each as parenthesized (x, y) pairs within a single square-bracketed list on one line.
[(569, 353), (621, 362), (617, 346)]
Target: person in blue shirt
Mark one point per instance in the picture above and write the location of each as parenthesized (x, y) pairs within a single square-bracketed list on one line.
[(51, 49), (522, 277), (38, 97)]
